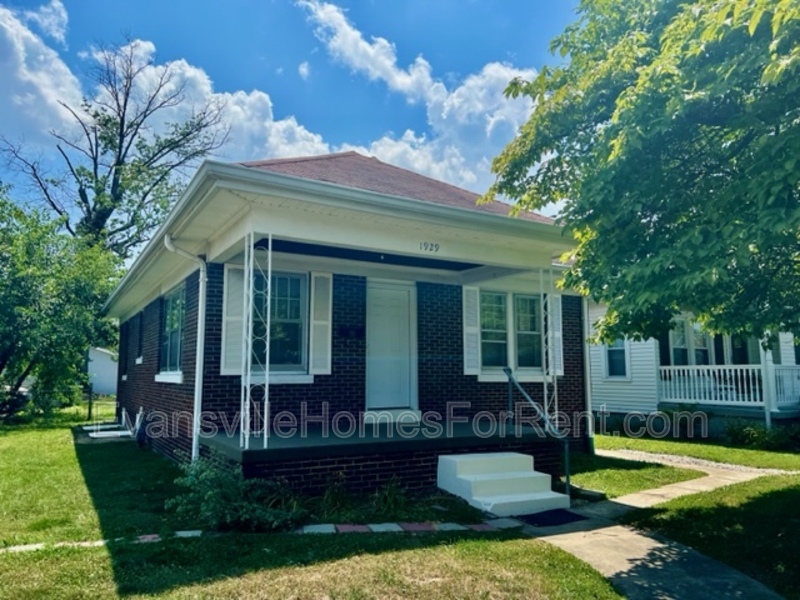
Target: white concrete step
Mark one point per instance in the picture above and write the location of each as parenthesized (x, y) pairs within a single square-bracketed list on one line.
[(485, 462), (503, 483), (509, 505), (513, 482)]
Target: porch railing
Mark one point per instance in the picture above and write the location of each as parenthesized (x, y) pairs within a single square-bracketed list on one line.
[(729, 385), (549, 426), (787, 385)]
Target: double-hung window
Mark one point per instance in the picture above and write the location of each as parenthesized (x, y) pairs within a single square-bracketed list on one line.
[(288, 322), (174, 313), (510, 331), (616, 359)]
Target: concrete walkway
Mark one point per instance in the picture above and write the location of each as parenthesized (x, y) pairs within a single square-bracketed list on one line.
[(645, 566)]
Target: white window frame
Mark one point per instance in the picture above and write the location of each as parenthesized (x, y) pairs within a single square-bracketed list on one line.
[(281, 376), (171, 375), (293, 370), (626, 348), (689, 333), (494, 374)]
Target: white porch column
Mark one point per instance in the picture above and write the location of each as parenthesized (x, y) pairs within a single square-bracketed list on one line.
[(768, 384)]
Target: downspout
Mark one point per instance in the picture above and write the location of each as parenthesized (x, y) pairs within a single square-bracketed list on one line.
[(587, 370), (201, 342)]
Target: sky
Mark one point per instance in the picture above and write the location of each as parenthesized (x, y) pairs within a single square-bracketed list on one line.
[(416, 83)]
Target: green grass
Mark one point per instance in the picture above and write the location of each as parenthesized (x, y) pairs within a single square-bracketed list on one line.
[(54, 490), (354, 566), (713, 451), (617, 477), (752, 526)]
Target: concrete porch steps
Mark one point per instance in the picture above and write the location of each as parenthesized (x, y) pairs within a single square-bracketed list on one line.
[(502, 483)]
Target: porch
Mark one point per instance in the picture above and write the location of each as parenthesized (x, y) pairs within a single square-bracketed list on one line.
[(405, 453), (767, 388)]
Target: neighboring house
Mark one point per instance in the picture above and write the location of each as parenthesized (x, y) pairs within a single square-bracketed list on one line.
[(393, 297), (727, 376), (102, 370)]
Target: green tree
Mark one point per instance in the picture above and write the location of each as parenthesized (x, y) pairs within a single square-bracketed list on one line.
[(671, 136), (52, 287), (123, 163)]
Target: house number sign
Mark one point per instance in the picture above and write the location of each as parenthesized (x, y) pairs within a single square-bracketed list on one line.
[(429, 246)]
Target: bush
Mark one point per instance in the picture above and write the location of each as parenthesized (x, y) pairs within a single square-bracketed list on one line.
[(218, 497), (11, 403), (758, 437)]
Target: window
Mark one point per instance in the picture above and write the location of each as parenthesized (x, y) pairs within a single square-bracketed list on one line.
[(680, 344), (616, 360), (288, 322), (528, 331), (702, 343), (520, 347), (140, 337), (494, 330), (174, 308)]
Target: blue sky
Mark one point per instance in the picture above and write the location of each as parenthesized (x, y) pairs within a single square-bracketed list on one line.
[(417, 83)]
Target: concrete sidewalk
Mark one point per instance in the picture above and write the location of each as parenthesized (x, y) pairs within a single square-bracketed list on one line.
[(645, 566)]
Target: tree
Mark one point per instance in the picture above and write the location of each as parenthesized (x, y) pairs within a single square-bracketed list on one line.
[(123, 166), (52, 287), (672, 139)]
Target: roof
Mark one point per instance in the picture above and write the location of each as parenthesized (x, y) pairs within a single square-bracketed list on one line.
[(355, 170)]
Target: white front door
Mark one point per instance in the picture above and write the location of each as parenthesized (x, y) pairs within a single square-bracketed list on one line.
[(391, 341)]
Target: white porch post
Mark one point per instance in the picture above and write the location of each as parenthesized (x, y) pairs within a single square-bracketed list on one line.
[(247, 341), (269, 339), (768, 385)]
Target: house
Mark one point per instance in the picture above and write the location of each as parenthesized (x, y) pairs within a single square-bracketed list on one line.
[(725, 376), (102, 370), (386, 305)]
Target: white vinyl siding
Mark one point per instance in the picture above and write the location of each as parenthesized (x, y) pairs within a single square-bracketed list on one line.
[(636, 392)]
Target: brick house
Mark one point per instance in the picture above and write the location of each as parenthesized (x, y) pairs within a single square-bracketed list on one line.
[(357, 313)]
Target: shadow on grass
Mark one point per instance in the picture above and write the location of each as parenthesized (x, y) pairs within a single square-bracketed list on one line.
[(751, 526), (586, 463), (129, 488)]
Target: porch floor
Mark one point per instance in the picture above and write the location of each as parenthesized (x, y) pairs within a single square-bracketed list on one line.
[(317, 442)]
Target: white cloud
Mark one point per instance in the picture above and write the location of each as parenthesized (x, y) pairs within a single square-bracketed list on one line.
[(468, 125), (304, 70), (376, 59), (51, 18), (33, 79)]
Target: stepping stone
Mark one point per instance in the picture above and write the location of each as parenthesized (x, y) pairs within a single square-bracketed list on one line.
[(325, 528), (25, 548), (191, 533), (150, 538), (418, 527), (385, 528), (450, 527), (504, 523), (482, 527), (94, 544), (350, 528)]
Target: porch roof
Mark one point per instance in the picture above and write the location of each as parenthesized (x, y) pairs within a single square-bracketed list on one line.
[(224, 201)]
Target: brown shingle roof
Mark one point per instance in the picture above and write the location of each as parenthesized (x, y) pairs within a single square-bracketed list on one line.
[(355, 170)]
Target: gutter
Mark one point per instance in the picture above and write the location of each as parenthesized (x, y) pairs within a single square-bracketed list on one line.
[(587, 370), (201, 342)]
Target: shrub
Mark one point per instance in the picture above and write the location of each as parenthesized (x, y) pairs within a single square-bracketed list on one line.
[(390, 500), (758, 437), (11, 403), (218, 497)]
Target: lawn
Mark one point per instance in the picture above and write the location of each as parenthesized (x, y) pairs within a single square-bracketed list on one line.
[(752, 526), (53, 490), (707, 450), (356, 566), (617, 477)]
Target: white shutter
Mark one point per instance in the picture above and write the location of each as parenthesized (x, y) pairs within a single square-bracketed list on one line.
[(472, 330), (558, 340), (321, 324), (231, 355)]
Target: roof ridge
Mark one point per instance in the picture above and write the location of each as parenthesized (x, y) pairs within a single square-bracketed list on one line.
[(297, 159)]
